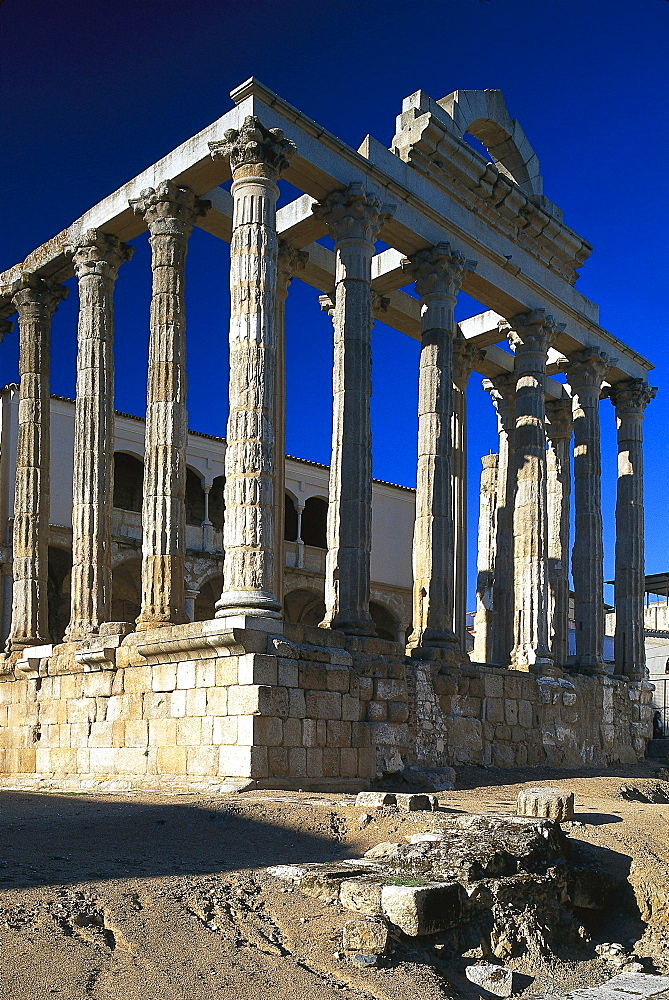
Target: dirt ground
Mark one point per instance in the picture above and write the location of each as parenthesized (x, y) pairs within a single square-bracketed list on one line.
[(149, 897)]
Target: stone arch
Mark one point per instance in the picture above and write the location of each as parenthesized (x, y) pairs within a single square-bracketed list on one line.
[(314, 522), (128, 482), (385, 621), (205, 602), (194, 497), (304, 606), (483, 114)]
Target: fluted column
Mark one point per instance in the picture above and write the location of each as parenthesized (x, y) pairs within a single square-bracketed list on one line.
[(530, 336), (438, 276), (586, 372), (289, 260), (464, 357), (36, 299), (630, 399), (97, 257), (558, 430), (484, 621), (257, 157), (169, 212), (502, 389), (354, 218)]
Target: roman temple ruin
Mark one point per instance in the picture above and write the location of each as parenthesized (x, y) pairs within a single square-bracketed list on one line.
[(246, 696)]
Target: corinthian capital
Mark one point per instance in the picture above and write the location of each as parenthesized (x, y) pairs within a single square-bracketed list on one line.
[(37, 296), (289, 260), (631, 396), (465, 356), (254, 145), (353, 213), (531, 332), (560, 419), (380, 302), (6, 326), (437, 270), (502, 389), (95, 252), (587, 368), (168, 203)]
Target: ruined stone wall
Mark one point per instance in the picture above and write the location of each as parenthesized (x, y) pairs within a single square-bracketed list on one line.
[(506, 718)]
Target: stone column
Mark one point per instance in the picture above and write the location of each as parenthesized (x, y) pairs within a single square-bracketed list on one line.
[(502, 391), (438, 276), (190, 597), (299, 544), (464, 356), (97, 257), (530, 336), (289, 260), (354, 218), (558, 429), (586, 372), (36, 299), (169, 212), (207, 526), (484, 622), (257, 158), (630, 399)]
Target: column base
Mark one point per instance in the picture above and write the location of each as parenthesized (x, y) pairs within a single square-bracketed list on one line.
[(147, 621), (260, 603), (534, 661), (16, 645), (590, 668), (354, 626)]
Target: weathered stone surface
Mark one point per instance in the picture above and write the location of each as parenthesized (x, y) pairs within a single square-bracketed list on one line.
[(366, 935), (424, 909), (496, 979), (558, 431), (416, 803), (374, 800), (361, 894), (550, 803)]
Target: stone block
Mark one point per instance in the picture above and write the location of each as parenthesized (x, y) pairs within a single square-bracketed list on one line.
[(162, 732), (188, 732), (361, 735), (503, 734), (130, 761), (510, 712), (136, 733), (365, 688), (226, 671), (196, 701), (331, 763), (292, 733), (287, 672), (323, 705), (234, 761), (205, 673), (314, 732), (525, 714), (314, 762), (297, 762), (217, 701), (338, 733), (267, 731), (78, 710), (313, 677), (386, 689), (278, 762), (338, 679), (202, 761), (495, 979), (164, 677), (493, 685), (366, 762), (256, 668), (503, 755), (224, 729), (101, 734), (377, 711), (426, 909), (186, 674), (348, 762), (154, 706), (98, 684), (297, 705), (366, 936), (363, 895), (103, 760), (549, 803), (171, 760), (374, 800), (416, 802)]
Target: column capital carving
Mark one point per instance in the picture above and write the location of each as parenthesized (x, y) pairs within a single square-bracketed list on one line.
[(502, 389), (353, 213), (326, 302), (631, 396), (168, 203), (560, 419), (587, 368), (96, 252), (531, 332), (289, 260), (437, 270), (6, 326), (380, 302), (253, 146), (31, 292), (465, 356)]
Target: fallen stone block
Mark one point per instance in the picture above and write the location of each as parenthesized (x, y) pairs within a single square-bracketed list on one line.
[(383, 850), (626, 986), (363, 895), (321, 881), (366, 935), (427, 837), (496, 979), (547, 803), (424, 909), (417, 803), (374, 800)]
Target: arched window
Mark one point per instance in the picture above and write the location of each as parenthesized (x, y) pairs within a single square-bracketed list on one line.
[(216, 502), (194, 498), (304, 607), (314, 522), (290, 520), (128, 482)]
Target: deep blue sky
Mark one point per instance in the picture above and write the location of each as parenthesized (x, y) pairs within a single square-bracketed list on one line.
[(92, 93)]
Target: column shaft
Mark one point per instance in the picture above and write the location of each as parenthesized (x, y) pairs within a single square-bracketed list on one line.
[(502, 391), (530, 335), (559, 430), (96, 258), (36, 300), (257, 157), (464, 356), (587, 369), (630, 399), (484, 622), (169, 211), (354, 218)]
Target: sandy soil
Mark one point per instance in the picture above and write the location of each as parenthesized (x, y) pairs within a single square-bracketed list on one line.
[(144, 896)]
